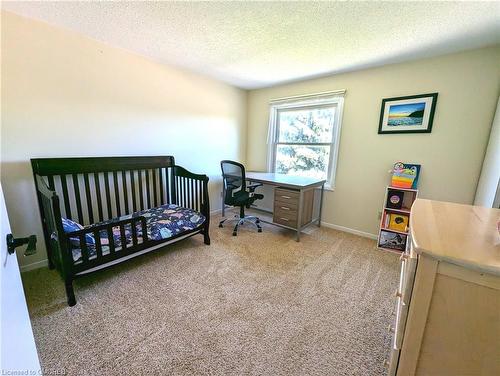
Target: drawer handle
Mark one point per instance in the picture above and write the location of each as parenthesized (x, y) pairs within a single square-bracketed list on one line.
[(285, 219), (286, 197), (285, 208), (398, 294)]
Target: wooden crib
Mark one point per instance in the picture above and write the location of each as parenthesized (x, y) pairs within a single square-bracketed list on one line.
[(126, 206)]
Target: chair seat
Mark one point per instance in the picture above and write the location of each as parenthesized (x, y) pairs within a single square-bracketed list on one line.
[(243, 198)]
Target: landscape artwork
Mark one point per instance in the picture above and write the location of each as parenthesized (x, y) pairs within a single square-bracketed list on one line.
[(406, 114), (412, 114)]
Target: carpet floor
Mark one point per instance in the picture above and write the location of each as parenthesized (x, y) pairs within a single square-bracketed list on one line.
[(255, 304)]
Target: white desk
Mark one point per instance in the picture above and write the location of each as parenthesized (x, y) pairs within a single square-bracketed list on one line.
[(300, 185)]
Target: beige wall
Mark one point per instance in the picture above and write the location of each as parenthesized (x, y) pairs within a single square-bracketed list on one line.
[(488, 188), (451, 156), (67, 95)]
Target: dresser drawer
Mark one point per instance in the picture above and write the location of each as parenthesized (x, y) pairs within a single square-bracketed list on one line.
[(392, 363)]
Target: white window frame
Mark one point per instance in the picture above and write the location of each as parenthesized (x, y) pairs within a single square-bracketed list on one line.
[(322, 100)]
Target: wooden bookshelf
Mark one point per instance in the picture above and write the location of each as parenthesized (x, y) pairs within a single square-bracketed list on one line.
[(395, 220)]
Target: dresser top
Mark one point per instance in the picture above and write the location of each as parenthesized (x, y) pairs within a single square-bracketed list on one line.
[(460, 234)]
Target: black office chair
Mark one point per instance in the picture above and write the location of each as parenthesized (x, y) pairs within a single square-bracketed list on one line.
[(237, 193)]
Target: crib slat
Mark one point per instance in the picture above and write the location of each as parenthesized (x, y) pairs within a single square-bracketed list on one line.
[(200, 198), (51, 182), (160, 172), (108, 195), (67, 206), (148, 194), (144, 230), (155, 192), (98, 246), (172, 178), (125, 193), (132, 183), (134, 232), (117, 194), (198, 182), (186, 192), (111, 241), (123, 238), (192, 203), (141, 193), (98, 194), (83, 248), (177, 191), (180, 193), (77, 198), (88, 198), (168, 190), (195, 195)]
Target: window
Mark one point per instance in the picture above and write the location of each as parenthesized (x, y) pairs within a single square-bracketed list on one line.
[(304, 137)]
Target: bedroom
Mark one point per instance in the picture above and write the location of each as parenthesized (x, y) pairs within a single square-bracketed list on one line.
[(200, 82)]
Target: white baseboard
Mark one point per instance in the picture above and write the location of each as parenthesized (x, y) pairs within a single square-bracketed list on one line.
[(34, 265), (349, 230)]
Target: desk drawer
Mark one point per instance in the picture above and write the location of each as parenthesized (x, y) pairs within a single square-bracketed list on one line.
[(287, 217), (283, 211), (283, 220), (285, 208), (286, 196), (288, 204)]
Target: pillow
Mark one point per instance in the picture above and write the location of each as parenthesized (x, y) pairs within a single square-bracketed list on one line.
[(70, 226)]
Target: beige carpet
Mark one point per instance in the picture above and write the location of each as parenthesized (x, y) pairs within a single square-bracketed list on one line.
[(256, 304)]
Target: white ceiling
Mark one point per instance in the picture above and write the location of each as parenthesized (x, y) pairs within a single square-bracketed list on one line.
[(259, 44)]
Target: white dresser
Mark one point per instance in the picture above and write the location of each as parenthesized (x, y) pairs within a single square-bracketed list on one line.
[(447, 314)]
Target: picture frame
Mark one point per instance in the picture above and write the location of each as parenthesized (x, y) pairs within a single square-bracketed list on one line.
[(410, 114)]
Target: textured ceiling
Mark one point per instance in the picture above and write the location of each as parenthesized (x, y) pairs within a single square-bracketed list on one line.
[(258, 44)]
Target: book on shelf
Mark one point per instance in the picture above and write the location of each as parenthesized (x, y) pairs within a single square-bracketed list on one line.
[(405, 175), (394, 199), (398, 222), (392, 240)]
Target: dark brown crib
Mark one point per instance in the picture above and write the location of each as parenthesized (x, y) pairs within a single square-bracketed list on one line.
[(92, 190)]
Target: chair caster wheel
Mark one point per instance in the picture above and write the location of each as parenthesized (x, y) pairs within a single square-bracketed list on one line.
[(220, 225), (259, 230), (234, 233)]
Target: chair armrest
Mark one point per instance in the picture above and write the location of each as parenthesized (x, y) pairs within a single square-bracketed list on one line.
[(252, 187)]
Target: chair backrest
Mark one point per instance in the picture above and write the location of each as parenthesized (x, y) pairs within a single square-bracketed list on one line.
[(233, 177)]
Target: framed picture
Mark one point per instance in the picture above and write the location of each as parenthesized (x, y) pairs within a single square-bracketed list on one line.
[(413, 114)]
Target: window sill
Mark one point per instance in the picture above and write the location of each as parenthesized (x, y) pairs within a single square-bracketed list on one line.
[(327, 188)]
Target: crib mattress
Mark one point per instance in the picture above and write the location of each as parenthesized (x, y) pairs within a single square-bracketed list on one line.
[(162, 222)]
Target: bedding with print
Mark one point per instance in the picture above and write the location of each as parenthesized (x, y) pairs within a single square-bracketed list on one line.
[(162, 222)]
